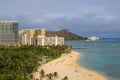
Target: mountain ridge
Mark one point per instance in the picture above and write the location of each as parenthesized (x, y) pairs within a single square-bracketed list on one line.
[(65, 33)]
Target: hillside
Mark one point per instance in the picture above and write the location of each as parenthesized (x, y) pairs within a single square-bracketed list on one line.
[(65, 33)]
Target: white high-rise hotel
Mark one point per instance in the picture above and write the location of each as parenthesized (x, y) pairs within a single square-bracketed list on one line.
[(8, 32)]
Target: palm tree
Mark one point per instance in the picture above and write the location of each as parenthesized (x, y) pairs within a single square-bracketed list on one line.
[(31, 76), (42, 74), (49, 76), (55, 75), (65, 78), (35, 69)]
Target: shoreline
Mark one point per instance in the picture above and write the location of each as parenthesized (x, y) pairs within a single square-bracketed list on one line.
[(67, 65), (96, 72)]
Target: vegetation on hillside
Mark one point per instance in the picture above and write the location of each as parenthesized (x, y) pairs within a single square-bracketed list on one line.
[(18, 62), (66, 34)]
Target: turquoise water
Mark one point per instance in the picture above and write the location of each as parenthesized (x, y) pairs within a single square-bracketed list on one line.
[(102, 56)]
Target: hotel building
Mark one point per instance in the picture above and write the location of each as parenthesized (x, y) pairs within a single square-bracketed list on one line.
[(37, 37), (8, 32)]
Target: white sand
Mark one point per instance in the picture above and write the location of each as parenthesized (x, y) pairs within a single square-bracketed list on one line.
[(67, 66)]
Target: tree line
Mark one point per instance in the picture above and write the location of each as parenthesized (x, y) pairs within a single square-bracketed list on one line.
[(18, 62)]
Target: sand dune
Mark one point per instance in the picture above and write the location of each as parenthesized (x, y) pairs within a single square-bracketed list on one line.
[(66, 66)]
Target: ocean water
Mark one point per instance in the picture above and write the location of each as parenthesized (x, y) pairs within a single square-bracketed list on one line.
[(102, 56)]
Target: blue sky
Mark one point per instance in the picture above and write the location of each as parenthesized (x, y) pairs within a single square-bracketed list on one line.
[(83, 17)]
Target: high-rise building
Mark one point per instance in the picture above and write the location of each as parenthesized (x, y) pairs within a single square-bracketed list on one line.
[(37, 37), (41, 40), (8, 32), (40, 32), (29, 36)]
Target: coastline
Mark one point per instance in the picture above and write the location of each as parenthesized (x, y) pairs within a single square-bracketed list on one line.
[(67, 65)]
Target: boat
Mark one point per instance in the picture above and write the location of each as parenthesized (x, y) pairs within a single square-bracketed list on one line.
[(93, 38)]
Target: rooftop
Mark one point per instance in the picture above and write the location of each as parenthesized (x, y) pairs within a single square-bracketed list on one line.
[(8, 21), (33, 29)]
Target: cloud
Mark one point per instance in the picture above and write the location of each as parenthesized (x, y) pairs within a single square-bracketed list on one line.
[(102, 26), (95, 25), (83, 17)]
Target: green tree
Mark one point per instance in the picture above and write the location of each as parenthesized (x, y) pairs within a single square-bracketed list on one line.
[(17, 62), (65, 78), (31, 77), (42, 74), (49, 76), (55, 75)]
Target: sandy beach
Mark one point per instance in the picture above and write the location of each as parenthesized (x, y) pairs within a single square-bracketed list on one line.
[(66, 65)]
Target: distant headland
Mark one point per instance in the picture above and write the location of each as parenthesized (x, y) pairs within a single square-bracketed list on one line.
[(66, 34)]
